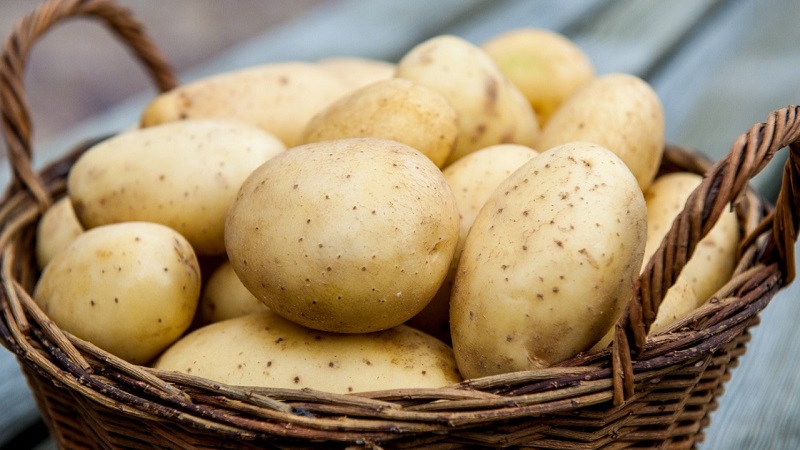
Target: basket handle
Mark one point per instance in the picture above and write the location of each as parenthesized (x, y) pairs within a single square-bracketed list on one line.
[(15, 112), (724, 183)]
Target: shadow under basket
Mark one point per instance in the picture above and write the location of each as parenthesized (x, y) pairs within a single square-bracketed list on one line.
[(642, 392)]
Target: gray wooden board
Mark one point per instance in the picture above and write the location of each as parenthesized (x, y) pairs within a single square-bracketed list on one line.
[(718, 65)]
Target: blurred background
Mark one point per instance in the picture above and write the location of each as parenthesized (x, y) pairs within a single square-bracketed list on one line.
[(77, 70)]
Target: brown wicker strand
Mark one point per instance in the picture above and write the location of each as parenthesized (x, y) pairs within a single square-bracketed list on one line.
[(724, 183), (15, 111)]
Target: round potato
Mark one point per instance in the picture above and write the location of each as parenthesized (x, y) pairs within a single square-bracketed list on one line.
[(620, 112), (278, 97), (350, 235), (225, 297), (491, 110), (549, 262), (358, 72), (395, 109), (130, 288), (472, 179), (57, 228), (546, 66), (183, 175), (264, 349)]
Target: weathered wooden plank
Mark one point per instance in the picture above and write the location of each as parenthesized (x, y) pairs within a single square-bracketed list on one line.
[(18, 407), (493, 18)]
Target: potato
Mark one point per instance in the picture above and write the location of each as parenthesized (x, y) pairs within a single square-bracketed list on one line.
[(546, 66), (278, 97), (491, 110), (393, 109), (472, 179), (357, 72), (549, 262), (182, 174), (350, 235), (130, 288), (619, 112), (57, 228), (225, 297), (714, 259), (266, 350)]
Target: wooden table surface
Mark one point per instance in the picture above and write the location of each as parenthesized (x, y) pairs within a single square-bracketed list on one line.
[(719, 66)]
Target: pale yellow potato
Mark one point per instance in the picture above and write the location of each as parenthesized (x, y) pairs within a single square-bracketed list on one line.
[(181, 174), (549, 262), (350, 235), (491, 110), (266, 350), (472, 179), (545, 65), (620, 112), (279, 97), (358, 72), (395, 109), (225, 297), (56, 229), (714, 259), (130, 288)]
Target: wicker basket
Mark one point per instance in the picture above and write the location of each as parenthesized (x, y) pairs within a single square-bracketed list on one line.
[(654, 392)]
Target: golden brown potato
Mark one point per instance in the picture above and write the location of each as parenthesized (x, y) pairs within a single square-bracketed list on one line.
[(130, 288), (546, 66), (274, 352), (279, 97), (535, 285), (491, 110), (350, 235), (620, 112), (183, 175), (395, 109)]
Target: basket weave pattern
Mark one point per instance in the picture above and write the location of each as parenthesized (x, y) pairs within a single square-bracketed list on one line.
[(644, 392)]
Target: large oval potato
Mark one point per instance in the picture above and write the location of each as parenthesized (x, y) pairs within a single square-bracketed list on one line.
[(620, 112), (546, 66), (182, 174), (491, 110), (472, 179), (549, 262), (395, 109), (350, 235), (264, 349), (57, 228), (130, 288), (279, 97)]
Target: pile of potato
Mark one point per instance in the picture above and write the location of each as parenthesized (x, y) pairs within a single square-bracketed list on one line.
[(353, 224)]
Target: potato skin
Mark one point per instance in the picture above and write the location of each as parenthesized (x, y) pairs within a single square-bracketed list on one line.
[(620, 112), (491, 110), (548, 263), (395, 109), (182, 174), (264, 349), (472, 179), (56, 229), (279, 98), (350, 235), (546, 66), (129, 288), (714, 259), (225, 297)]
